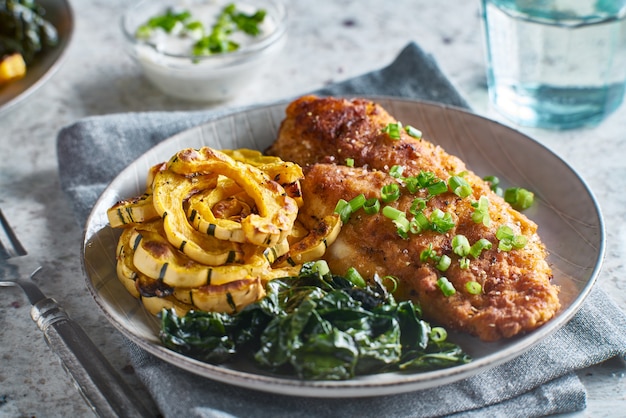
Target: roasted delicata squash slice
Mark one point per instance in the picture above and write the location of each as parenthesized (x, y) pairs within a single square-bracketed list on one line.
[(276, 212), (224, 223), (314, 244), (155, 305), (228, 298), (285, 173), (155, 257), (132, 211), (170, 190)]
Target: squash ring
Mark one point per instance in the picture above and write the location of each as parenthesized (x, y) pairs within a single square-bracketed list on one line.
[(227, 298), (155, 257), (276, 211), (170, 191)]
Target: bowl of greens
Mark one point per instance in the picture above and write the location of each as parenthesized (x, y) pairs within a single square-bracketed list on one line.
[(204, 50)]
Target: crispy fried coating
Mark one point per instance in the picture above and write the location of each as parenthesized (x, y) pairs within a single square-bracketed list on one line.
[(517, 294)]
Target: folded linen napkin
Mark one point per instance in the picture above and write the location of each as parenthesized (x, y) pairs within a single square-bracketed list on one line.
[(541, 381)]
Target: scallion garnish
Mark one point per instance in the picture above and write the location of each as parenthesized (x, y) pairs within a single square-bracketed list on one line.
[(355, 277), (427, 253), (446, 287), (419, 223), (342, 208), (320, 266), (481, 211), (460, 245), (437, 187), (464, 263), (417, 206), (459, 186), (494, 184), (393, 130), (441, 221), (438, 334), (414, 132), (399, 219), (473, 288), (167, 21), (390, 192), (371, 206), (345, 209), (396, 171), (519, 197), (508, 239), (477, 248), (350, 162), (444, 263)]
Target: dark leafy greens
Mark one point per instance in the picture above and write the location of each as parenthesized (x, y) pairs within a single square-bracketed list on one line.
[(318, 326), (24, 29)]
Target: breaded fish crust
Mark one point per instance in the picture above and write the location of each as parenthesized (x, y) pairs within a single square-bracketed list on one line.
[(516, 294)]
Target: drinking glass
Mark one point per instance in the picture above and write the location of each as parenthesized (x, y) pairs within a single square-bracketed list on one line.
[(557, 64)]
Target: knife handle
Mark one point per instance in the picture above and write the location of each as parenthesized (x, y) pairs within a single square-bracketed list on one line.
[(98, 382)]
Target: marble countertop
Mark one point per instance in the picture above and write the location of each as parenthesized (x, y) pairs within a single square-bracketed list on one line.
[(332, 41)]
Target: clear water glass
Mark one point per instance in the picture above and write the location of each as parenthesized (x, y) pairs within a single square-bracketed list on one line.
[(556, 64)]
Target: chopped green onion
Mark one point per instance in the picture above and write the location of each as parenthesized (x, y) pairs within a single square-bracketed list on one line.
[(519, 197), (357, 202), (464, 263), (508, 239), (167, 21), (473, 288), (414, 132), (343, 209), (396, 171), (444, 263), (481, 211), (393, 130), (350, 162), (320, 266), (393, 280), (411, 184), (441, 221), (504, 232), (438, 334), (417, 206), (477, 248), (436, 188), (519, 241), (494, 184), (459, 186), (399, 219), (427, 253), (355, 277), (446, 287), (460, 245), (371, 206), (419, 223), (390, 192), (492, 180)]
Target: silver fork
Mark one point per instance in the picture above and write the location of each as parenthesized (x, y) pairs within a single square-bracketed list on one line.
[(98, 382)]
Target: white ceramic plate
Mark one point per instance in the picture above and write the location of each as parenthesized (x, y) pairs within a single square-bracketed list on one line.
[(569, 221), (59, 13)]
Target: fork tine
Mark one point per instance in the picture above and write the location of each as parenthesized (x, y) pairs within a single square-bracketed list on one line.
[(15, 244)]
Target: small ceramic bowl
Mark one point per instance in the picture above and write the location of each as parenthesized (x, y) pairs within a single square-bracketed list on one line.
[(167, 59)]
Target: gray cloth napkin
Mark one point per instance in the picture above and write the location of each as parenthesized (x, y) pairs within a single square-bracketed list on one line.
[(540, 382)]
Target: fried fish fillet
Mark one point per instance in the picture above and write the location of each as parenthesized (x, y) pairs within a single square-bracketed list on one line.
[(516, 294)]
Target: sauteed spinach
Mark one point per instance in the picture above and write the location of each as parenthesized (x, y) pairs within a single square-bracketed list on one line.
[(318, 326), (24, 29)]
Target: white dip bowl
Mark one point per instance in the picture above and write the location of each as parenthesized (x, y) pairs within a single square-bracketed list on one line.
[(169, 64)]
